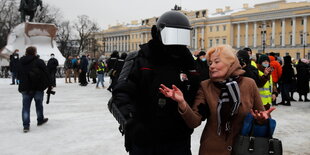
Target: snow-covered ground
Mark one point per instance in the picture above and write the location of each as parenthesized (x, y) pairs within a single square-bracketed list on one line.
[(80, 124)]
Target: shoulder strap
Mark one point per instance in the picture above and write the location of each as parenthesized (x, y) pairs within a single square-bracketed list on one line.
[(129, 62)]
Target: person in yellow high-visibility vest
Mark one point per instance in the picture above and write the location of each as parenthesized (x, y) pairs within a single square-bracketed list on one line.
[(267, 92), (100, 73)]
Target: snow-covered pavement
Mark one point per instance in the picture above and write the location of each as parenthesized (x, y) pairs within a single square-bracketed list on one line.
[(80, 124)]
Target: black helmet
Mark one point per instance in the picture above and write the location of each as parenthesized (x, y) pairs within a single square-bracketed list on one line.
[(172, 28), (174, 19)]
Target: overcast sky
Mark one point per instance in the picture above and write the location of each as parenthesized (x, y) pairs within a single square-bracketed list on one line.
[(111, 12)]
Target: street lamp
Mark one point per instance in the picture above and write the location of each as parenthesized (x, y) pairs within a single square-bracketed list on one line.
[(264, 26), (305, 34)]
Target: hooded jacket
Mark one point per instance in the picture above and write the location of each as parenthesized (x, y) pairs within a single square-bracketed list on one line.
[(27, 63), (277, 72)]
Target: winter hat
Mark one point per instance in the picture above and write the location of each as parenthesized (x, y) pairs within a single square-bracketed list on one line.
[(243, 55), (287, 59), (304, 60), (201, 53), (263, 58)]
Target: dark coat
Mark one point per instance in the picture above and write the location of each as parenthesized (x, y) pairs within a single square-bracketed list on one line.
[(14, 62), (288, 75), (155, 117), (52, 65), (303, 77), (84, 64), (27, 63), (203, 69)]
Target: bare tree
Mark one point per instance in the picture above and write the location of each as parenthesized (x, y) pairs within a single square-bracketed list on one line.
[(9, 18), (64, 37), (48, 14), (85, 27)]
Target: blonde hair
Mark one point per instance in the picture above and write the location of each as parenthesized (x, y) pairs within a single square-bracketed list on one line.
[(225, 52)]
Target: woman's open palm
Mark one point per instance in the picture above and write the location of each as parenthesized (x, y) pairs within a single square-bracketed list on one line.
[(175, 93)]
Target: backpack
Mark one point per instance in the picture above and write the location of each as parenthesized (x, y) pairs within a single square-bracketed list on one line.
[(38, 79)]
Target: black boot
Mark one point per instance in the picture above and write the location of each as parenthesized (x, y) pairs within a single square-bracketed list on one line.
[(288, 103), (292, 99), (42, 122)]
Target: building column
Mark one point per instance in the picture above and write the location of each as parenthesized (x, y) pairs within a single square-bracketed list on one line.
[(283, 32), (128, 44), (294, 31), (141, 38), (273, 33), (238, 36), (202, 37), (305, 32), (196, 38), (255, 35), (246, 34)]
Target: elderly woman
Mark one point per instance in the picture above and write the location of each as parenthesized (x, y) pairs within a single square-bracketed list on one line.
[(229, 98)]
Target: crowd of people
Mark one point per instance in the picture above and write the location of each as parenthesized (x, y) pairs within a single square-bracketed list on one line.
[(162, 92), (85, 68)]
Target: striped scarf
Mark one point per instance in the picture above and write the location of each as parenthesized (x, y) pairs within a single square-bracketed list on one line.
[(228, 104)]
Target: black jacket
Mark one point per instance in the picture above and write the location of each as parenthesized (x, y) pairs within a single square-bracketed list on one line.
[(156, 118), (84, 64), (203, 69), (303, 76), (288, 75), (14, 62), (52, 64), (27, 63)]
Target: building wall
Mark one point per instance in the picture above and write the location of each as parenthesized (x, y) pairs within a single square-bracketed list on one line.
[(270, 14)]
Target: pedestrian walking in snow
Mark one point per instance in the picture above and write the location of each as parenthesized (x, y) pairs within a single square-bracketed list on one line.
[(34, 79)]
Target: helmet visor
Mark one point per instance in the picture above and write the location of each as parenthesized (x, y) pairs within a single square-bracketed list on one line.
[(175, 36)]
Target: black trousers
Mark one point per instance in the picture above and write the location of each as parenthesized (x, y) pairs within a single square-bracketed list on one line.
[(83, 78), (53, 77)]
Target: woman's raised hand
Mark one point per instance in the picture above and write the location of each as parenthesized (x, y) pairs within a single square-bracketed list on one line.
[(175, 93)]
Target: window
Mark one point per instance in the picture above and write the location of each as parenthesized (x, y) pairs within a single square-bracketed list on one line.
[(297, 55), (197, 14), (203, 13), (217, 28), (224, 27), (210, 28), (291, 39), (291, 22), (280, 40), (301, 39), (217, 41), (224, 41), (281, 23), (302, 22), (210, 43)]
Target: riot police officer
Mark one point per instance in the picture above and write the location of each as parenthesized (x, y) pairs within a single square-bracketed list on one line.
[(151, 122)]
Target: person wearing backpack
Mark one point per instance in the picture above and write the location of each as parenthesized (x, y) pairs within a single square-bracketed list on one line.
[(34, 79)]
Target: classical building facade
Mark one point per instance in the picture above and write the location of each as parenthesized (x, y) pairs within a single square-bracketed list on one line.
[(277, 26)]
